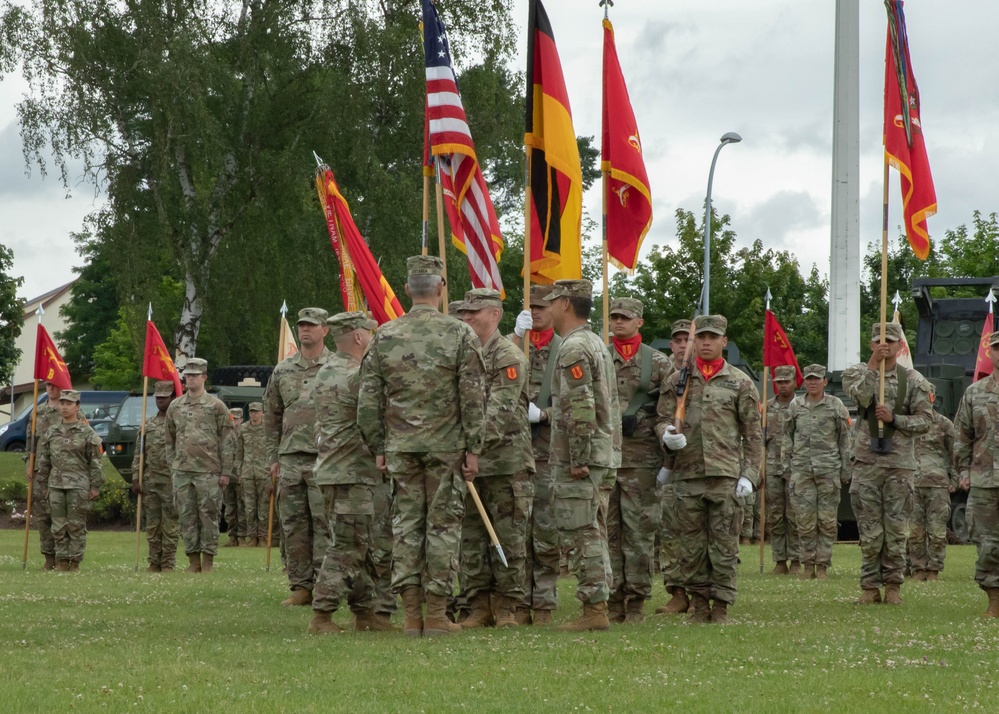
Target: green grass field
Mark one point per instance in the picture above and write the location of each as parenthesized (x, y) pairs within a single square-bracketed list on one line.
[(107, 639)]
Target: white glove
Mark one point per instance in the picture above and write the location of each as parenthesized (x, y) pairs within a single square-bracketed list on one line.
[(663, 477), (533, 413), (524, 323), (744, 487), (672, 440)]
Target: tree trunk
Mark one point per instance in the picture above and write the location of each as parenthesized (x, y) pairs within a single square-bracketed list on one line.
[(186, 340)]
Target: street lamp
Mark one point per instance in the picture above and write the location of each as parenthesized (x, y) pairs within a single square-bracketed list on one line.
[(727, 138)]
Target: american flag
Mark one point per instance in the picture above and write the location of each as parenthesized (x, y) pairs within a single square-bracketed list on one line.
[(470, 210)]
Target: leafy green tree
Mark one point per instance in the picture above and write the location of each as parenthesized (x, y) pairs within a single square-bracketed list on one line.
[(115, 362), (11, 314)]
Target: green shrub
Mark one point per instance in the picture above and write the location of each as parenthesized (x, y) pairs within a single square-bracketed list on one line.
[(114, 504), (13, 490)]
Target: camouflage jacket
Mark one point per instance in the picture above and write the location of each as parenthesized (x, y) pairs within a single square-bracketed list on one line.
[(934, 455), (976, 448), (48, 416), (776, 416), (817, 437), (642, 449), (506, 442), (343, 458), (542, 433), (199, 435), (422, 386), (722, 426), (69, 456), (251, 451), (586, 421), (289, 415), (861, 385), (154, 464)]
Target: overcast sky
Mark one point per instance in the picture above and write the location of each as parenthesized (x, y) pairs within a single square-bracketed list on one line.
[(695, 69)]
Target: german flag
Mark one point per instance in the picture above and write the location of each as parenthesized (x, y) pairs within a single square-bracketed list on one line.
[(555, 193)]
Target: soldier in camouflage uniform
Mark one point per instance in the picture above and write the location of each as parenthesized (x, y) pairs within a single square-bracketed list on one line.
[(158, 506), (935, 480), (975, 448), (585, 449), (232, 495), (199, 448), (715, 459), (881, 491), (783, 530), (346, 474), (506, 472), (289, 428), (254, 475), (816, 451), (420, 412), (635, 510), (69, 477)]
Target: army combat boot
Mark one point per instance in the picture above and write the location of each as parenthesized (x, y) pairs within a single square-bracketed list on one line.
[(50, 561), (523, 615), (932, 575), (807, 572), (195, 563), (677, 605), (594, 617), (437, 623), (504, 611), (780, 568), (918, 576), (700, 612), (719, 613), (615, 609), (367, 620), (871, 596), (635, 614), (299, 596), (795, 568), (993, 609), (153, 568), (542, 618), (482, 613), (207, 562), (820, 572), (893, 595), (321, 624), (74, 566), (412, 605), (62, 566)]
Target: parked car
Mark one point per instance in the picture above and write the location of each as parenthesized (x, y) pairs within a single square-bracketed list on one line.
[(99, 409)]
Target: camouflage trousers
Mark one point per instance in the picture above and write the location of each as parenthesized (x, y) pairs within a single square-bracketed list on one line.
[(983, 526), (581, 517), (198, 498), (234, 510), (634, 513), (381, 549), (69, 508), (162, 525), (815, 501), (928, 528), (256, 503), (348, 569), (669, 543), (303, 520), (882, 501), (427, 513), (507, 499), (543, 552), (41, 514), (780, 524), (750, 527), (707, 517)]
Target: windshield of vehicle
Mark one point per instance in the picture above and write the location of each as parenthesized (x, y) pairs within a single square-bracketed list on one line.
[(130, 412)]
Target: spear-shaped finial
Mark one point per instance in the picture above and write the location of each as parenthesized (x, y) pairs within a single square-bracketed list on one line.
[(896, 301), (991, 300), (319, 162), (284, 308), (606, 5), (769, 297), (149, 313), (40, 311)]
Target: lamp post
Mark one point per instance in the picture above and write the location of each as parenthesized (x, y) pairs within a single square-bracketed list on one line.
[(727, 138)]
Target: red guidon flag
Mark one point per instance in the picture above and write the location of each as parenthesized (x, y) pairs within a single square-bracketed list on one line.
[(903, 134), (628, 198), (777, 350), (983, 365), (555, 190), (49, 364), (156, 362)]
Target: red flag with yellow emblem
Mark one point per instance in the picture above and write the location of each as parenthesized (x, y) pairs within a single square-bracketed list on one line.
[(983, 365), (49, 364), (156, 363), (777, 350)]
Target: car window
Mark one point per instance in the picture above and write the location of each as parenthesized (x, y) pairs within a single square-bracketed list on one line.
[(130, 413)]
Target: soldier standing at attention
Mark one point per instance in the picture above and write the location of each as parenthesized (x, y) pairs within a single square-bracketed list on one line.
[(715, 461), (199, 447), (975, 449), (69, 478), (543, 550), (816, 452), (586, 448), (935, 480), (635, 510), (232, 495), (289, 427), (881, 491), (162, 526), (420, 412), (505, 478), (254, 475), (780, 512)]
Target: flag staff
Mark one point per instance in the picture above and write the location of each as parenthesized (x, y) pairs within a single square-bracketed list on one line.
[(441, 240), (527, 244), (273, 489), (882, 447), (764, 398), (31, 454), (142, 453), (605, 174), (424, 248)]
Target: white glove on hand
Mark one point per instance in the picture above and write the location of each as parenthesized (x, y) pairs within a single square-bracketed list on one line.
[(672, 440), (664, 476), (533, 413), (744, 487), (524, 323)]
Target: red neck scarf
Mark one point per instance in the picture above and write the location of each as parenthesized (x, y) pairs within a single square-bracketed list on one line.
[(627, 348), (541, 339), (710, 369)]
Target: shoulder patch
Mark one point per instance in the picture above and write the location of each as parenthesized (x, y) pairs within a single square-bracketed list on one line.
[(511, 373)]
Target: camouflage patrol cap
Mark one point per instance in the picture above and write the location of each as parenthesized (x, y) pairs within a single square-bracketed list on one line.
[(455, 307), (629, 307), (344, 322), (538, 293), (163, 389), (711, 323), (785, 373), (424, 265), (255, 407), (69, 395), (570, 289), (815, 370), (196, 365), (893, 332), (678, 327), (312, 316), (994, 339), (236, 411), (479, 298)]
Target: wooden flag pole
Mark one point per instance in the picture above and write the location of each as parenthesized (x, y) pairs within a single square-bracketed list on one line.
[(485, 519), (884, 300), (763, 471), (426, 211), (270, 525), (527, 246), (606, 296), (31, 472), (142, 462), (441, 239)]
